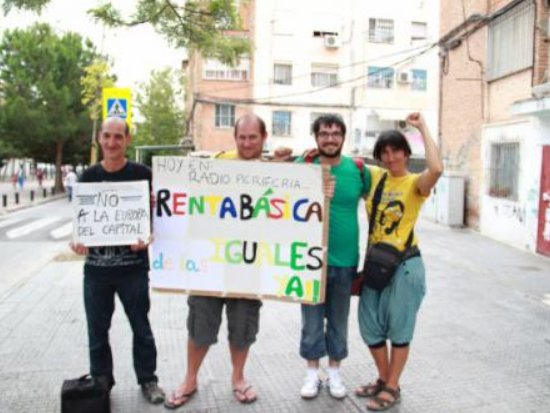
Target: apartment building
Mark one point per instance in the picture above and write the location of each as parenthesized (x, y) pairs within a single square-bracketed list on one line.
[(495, 115), (361, 60)]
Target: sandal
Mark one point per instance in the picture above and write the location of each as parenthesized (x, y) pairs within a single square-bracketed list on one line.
[(177, 400), (371, 389), (241, 395), (382, 403)]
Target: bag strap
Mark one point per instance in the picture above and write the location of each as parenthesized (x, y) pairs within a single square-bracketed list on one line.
[(376, 200)]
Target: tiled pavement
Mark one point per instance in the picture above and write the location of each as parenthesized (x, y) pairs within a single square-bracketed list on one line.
[(482, 341)]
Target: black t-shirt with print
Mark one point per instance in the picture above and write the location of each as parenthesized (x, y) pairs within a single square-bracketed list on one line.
[(110, 260)]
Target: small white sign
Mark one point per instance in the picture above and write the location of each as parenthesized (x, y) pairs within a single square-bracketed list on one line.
[(111, 213)]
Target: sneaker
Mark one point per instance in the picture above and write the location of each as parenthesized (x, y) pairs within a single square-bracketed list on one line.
[(335, 387), (152, 392), (311, 387)]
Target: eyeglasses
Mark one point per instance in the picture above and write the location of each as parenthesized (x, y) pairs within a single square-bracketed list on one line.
[(326, 135)]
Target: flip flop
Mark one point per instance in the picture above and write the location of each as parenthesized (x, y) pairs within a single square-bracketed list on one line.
[(241, 397), (177, 400)]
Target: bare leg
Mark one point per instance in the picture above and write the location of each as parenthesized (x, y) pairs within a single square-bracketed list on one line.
[(398, 360), (195, 357), (381, 359), (244, 391), (313, 364), (332, 363)]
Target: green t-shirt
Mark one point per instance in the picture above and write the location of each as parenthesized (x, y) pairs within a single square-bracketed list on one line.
[(343, 236)]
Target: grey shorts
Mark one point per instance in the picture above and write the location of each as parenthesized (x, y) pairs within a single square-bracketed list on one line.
[(205, 317)]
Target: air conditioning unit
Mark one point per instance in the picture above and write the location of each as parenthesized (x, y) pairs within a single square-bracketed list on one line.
[(404, 76), (332, 41)]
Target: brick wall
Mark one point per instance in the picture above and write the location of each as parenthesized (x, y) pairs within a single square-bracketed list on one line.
[(468, 101)]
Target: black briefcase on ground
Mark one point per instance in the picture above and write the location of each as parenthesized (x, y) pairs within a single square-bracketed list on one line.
[(84, 395)]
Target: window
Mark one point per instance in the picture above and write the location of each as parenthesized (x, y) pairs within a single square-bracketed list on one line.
[(504, 171), (324, 75), (380, 77), (419, 79), (225, 116), (282, 74), (380, 30), (281, 123), (510, 46), (419, 32), (215, 70)]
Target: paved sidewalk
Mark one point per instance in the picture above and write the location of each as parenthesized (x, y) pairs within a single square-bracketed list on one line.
[(31, 194), (482, 342)]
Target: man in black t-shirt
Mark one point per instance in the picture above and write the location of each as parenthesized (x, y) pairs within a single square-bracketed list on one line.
[(121, 270)]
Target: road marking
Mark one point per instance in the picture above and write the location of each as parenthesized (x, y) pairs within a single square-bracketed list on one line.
[(10, 221), (33, 226), (62, 231), (546, 299)]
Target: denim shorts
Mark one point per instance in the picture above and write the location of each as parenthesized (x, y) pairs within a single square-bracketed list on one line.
[(205, 317), (320, 338), (390, 314)]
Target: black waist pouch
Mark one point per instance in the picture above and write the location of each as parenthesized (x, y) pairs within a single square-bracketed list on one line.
[(381, 262), (84, 395)]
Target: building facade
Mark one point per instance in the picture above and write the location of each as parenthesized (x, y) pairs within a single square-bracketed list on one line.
[(495, 117), (362, 61)]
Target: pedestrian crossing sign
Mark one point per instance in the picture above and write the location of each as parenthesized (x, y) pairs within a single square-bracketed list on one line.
[(117, 103), (117, 108)]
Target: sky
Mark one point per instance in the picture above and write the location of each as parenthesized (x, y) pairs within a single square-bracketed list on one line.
[(134, 51)]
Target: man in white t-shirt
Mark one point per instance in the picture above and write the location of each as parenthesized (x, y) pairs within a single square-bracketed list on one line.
[(70, 180)]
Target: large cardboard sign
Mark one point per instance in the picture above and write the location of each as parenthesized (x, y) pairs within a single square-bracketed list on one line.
[(111, 213), (239, 228)]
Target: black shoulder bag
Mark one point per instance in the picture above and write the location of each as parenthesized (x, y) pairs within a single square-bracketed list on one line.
[(382, 259)]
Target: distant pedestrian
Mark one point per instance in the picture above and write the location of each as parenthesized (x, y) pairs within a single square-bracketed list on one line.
[(40, 176), (13, 179), (70, 181), (387, 310), (21, 177)]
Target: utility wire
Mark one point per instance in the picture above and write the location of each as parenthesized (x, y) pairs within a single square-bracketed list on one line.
[(310, 91), (364, 62)]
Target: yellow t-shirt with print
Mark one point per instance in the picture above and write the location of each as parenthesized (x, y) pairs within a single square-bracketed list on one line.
[(232, 154), (398, 209)]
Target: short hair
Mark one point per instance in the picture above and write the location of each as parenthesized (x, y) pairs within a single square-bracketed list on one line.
[(250, 116), (393, 138), (328, 119), (126, 127)]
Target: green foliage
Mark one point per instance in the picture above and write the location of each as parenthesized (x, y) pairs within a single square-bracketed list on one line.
[(200, 25), (32, 5), (96, 77), (41, 94), (160, 104)]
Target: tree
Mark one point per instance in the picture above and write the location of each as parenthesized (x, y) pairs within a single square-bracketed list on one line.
[(160, 104), (96, 78), (194, 24), (43, 112)]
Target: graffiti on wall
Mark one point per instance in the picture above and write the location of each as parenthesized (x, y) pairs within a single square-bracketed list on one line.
[(511, 211)]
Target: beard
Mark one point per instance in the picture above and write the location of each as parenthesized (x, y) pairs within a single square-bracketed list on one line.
[(334, 154)]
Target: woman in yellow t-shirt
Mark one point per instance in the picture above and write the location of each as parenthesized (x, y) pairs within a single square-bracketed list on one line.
[(390, 314)]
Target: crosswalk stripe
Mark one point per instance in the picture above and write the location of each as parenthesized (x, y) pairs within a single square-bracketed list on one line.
[(62, 231), (10, 221), (33, 226)]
